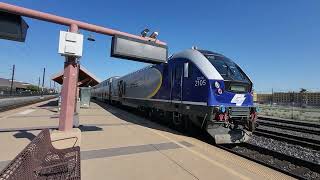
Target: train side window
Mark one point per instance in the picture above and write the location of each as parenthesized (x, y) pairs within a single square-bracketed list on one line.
[(190, 69)]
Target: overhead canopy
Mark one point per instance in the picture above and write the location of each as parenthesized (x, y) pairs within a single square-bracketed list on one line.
[(86, 78)]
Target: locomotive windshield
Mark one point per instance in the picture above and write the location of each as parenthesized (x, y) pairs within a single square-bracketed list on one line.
[(228, 69)]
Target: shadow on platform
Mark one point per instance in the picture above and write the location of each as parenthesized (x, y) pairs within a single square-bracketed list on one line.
[(24, 134), (86, 128), (131, 117), (49, 104)]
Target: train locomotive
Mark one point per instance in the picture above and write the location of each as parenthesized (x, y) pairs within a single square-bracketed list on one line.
[(195, 89)]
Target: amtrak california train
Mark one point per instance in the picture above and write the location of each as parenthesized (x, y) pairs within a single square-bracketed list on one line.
[(194, 89)]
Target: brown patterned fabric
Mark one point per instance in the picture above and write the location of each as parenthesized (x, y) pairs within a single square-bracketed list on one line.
[(40, 160)]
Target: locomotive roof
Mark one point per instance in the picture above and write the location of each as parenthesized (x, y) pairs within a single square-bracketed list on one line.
[(198, 58), (206, 52)]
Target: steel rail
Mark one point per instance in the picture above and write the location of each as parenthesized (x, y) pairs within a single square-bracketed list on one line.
[(282, 125), (15, 106), (289, 121), (266, 153), (292, 139)]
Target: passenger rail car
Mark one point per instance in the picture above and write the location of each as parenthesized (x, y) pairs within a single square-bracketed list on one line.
[(196, 88)]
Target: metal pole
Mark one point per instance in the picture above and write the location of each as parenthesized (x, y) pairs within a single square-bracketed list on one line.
[(12, 78), (68, 90), (292, 104), (68, 22), (272, 97), (39, 85), (43, 75)]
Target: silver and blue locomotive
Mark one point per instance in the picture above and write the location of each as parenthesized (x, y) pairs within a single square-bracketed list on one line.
[(195, 88)]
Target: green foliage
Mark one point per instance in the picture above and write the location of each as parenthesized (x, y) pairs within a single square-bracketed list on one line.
[(32, 88)]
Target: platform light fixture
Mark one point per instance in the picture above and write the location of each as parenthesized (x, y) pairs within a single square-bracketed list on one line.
[(145, 32), (154, 35), (138, 50)]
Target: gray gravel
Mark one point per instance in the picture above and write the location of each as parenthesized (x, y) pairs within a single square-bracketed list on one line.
[(288, 149), (281, 164)]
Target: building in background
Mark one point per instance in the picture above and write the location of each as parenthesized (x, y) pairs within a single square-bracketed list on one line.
[(302, 98), (21, 89), (5, 85)]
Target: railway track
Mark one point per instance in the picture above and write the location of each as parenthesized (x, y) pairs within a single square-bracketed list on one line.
[(292, 139), (305, 134), (27, 101), (300, 126), (292, 166)]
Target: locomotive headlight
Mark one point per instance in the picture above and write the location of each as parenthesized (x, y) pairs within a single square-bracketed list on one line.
[(222, 109), (217, 84), (219, 91)]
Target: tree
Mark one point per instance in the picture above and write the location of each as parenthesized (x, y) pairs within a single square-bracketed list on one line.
[(303, 90), (32, 88)]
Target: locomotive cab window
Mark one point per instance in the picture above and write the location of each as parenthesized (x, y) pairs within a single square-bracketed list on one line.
[(186, 70), (227, 68)]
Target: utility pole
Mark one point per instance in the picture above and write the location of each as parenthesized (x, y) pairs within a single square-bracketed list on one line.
[(12, 77), (50, 86), (44, 72), (39, 85), (272, 99)]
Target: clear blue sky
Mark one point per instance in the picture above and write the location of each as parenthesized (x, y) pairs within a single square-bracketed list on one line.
[(277, 43)]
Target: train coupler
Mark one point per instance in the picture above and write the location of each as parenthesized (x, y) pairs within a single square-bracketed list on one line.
[(229, 136)]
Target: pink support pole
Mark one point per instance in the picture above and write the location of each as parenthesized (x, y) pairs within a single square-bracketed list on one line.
[(68, 93)]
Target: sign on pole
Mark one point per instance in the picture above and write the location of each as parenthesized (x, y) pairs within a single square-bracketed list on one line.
[(138, 50), (12, 27), (70, 44)]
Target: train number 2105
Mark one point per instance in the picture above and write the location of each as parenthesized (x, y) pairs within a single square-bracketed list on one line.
[(200, 81)]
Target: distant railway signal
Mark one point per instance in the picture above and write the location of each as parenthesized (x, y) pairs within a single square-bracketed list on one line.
[(13, 27), (138, 50)]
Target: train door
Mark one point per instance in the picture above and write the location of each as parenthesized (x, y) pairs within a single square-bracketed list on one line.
[(177, 82), (122, 88), (109, 86)]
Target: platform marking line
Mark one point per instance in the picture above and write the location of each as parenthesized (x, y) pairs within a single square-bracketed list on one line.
[(28, 111), (241, 176)]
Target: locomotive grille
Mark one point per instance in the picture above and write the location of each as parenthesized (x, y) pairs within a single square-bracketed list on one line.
[(239, 111)]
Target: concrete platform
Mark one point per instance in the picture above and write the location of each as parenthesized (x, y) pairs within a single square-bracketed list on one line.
[(119, 145)]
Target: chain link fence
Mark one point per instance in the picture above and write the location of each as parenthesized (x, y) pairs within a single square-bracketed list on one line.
[(304, 106), (7, 94)]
